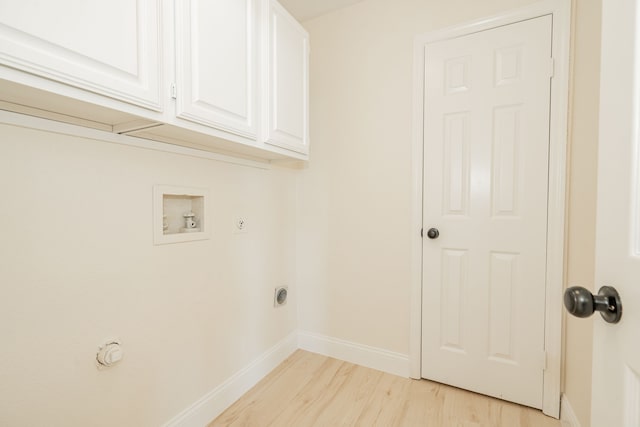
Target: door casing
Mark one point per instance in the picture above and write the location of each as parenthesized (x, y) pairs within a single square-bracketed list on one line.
[(561, 13)]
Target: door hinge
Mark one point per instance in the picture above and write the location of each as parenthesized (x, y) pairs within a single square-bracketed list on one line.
[(174, 91), (543, 360), (552, 67)]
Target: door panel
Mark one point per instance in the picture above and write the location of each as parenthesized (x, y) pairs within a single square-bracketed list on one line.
[(217, 60), (456, 164), (455, 267), (502, 287), (486, 147), (288, 83), (116, 56)]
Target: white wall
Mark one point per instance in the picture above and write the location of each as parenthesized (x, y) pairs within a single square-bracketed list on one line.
[(78, 266)]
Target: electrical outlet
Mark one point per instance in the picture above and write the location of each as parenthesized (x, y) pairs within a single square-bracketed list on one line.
[(240, 225)]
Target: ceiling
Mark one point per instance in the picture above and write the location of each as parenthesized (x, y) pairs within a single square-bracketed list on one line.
[(307, 9)]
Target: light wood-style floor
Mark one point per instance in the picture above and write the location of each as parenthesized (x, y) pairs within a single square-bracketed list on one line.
[(312, 390)]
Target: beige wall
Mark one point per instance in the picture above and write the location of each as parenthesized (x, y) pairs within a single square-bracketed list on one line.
[(582, 198), (77, 263), (354, 198), (78, 266)]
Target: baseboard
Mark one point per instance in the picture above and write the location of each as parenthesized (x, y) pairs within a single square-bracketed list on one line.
[(220, 398), (567, 416), (370, 357)]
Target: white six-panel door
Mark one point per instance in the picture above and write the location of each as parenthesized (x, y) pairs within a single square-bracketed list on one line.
[(486, 147)]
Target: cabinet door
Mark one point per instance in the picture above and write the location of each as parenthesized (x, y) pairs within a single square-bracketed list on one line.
[(106, 47), (288, 86), (217, 64)]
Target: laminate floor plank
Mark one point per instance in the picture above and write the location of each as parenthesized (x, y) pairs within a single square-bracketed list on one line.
[(313, 397), (310, 390), (425, 402), (282, 385), (348, 403), (386, 403)]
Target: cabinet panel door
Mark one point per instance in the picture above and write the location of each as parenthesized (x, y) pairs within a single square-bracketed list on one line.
[(110, 48), (217, 63), (288, 123)]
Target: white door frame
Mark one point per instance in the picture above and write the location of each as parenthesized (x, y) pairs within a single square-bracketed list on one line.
[(558, 127)]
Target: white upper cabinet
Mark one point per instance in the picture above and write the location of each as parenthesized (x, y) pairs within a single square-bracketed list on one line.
[(217, 63), (106, 47), (287, 124), (217, 75)]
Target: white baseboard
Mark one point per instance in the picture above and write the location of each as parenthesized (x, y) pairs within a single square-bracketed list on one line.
[(208, 407), (370, 357), (220, 398), (567, 416)]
